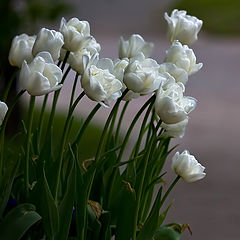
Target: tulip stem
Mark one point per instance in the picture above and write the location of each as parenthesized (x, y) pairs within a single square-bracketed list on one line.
[(170, 189), (63, 141), (3, 128), (73, 89), (28, 144)]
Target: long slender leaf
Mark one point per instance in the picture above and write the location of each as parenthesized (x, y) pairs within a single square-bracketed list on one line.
[(18, 221)]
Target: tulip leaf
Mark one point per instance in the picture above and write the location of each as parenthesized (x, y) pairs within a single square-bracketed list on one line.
[(18, 221), (46, 206), (105, 233), (66, 206), (169, 232), (151, 224), (126, 211), (6, 184)]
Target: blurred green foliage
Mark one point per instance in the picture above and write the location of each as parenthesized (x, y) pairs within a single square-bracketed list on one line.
[(219, 16)]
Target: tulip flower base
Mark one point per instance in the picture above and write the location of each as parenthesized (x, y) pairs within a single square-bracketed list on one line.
[(47, 190)]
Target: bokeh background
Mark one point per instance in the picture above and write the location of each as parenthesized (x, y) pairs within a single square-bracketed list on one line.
[(210, 206)]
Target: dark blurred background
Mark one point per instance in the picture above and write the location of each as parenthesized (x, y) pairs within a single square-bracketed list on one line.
[(210, 206)]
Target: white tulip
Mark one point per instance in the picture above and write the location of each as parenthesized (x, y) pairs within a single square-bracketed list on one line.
[(3, 111), (183, 57), (50, 41), (21, 49), (171, 106), (99, 83), (142, 76), (179, 74), (183, 27), (89, 47), (74, 31), (175, 130), (187, 167), (41, 76), (134, 46)]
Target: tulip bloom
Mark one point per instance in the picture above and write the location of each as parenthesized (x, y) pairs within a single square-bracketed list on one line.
[(171, 106), (3, 111), (41, 76), (21, 49), (74, 31), (183, 57), (50, 41), (134, 46), (99, 83), (142, 76), (187, 167), (183, 27)]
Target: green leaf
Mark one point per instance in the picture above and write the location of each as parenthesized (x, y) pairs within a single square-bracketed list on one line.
[(66, 206), (151, 224), (126, 211), (169, 232), (6, 184), (105, 233), (18, 221), (46, 206)]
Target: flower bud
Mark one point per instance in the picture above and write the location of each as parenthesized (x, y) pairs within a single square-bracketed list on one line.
[(21, 49), (50, 41), (3, 111), (187, 167), (41, 76), (183, 27)]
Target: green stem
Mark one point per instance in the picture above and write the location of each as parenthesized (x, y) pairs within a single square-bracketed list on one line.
[(28, 144), (3, 128), (7, 89), (63, 142), (169, 190), (120, 120), (73, 89), (132, 125)]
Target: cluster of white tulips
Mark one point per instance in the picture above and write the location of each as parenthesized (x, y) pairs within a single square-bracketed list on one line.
[(42, 60)]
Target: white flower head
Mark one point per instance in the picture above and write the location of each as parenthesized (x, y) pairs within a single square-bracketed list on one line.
[(50, 41), (171, 106), (142, 76), (3, 111), (119, 69), (175, 130), (183, 57), (74, 31), (88, 47), (134, 46), (179, 74), (183, 27), (98, 82), (187, 167), (41, 76), (21, 49)]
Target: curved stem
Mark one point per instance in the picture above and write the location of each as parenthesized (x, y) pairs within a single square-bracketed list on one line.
[(28, 144)]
